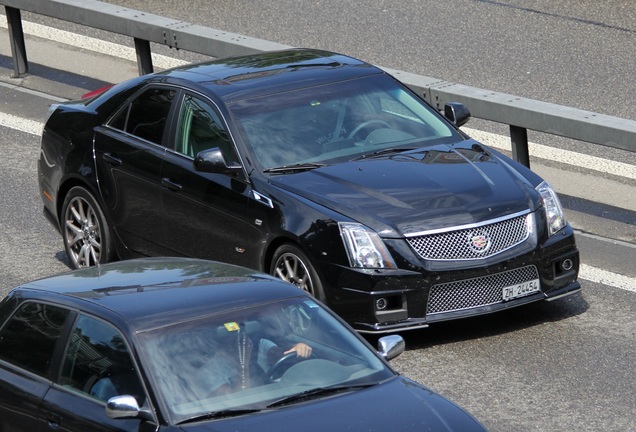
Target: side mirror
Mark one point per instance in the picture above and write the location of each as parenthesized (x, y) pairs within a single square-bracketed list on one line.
[(391, 346), (456, 113), (212, 161), (121, 407)]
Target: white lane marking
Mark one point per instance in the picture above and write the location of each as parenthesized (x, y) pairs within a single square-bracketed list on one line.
[(18, 123), (605, 277), (558, 155)]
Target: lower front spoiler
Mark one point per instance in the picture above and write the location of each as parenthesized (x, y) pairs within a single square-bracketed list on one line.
[(567, 290), (407, 324), (418, 323)]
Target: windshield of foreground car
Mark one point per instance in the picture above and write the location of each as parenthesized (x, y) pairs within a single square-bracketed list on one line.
[(337, 122), (246, 360)]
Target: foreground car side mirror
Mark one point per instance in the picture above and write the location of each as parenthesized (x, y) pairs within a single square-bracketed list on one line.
[(456, 113), (391, 346), (126, 407), (213, 161)]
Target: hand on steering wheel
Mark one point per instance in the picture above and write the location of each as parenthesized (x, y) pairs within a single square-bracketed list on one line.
[(290, 357), (301, 350)]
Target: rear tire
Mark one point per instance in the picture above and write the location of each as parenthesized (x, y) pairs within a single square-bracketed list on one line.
[(292, 265), (86, 234)]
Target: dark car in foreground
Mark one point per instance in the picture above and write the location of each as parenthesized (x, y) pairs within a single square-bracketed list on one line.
[(315, 167), (160, 344)]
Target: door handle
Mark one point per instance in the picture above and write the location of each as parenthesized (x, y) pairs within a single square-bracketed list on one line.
[(111, 159), (171, 184)]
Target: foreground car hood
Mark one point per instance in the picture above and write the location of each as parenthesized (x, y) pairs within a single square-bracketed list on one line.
[(426, 189), (397, 405)]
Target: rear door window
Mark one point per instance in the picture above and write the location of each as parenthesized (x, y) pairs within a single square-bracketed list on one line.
[(29, 338), (146, 116)]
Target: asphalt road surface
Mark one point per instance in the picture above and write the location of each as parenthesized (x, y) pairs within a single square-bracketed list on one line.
[(562, 366)]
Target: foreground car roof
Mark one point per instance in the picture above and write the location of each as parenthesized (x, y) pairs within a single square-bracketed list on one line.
[(181, 288)]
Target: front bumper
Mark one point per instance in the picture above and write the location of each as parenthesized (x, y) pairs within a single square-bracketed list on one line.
[(381, 301)]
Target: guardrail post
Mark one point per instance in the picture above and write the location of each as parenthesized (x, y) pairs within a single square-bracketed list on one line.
[(16, 38), (519, 138), (144, 57)]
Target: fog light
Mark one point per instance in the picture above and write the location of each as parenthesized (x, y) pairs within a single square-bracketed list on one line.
[(567, 264), (381, 303)]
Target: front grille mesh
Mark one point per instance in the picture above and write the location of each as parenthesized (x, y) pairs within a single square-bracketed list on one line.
[(472, 243), (481, 291)]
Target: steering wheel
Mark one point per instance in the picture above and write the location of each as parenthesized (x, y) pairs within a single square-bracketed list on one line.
[(282, 364), (362, 125)]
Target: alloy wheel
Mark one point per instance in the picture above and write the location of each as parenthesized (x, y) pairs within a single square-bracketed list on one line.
[(290, 268), (82, 233)]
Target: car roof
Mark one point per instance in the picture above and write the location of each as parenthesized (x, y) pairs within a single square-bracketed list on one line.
[(270, 72), (153, 292)]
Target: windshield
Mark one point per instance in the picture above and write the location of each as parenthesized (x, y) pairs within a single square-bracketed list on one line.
[(253, 358), (337, 122)]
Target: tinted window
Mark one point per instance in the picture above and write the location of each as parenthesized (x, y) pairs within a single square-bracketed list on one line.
[(200, 128), (337, 122), (97, 362), (146, 116), (28, 340), (231, 360), (6, 308)]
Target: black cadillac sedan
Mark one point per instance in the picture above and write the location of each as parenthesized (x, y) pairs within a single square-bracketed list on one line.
[(315, 167), (180, 344)]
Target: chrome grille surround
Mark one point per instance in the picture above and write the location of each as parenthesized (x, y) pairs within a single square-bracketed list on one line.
[(471, 242), (472, 293)]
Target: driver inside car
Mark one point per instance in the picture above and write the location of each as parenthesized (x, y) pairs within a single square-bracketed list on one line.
[(273, 328), (246, 360)]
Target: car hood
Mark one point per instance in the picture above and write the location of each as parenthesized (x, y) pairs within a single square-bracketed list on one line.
[(397, 405), (419, 190)]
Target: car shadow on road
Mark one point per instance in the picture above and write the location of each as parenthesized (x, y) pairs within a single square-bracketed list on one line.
[(63, 258)]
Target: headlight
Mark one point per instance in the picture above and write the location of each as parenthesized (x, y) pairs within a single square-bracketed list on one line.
[(552, 207), (364, 247)]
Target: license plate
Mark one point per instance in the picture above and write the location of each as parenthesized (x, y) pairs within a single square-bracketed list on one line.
[(520, 290)]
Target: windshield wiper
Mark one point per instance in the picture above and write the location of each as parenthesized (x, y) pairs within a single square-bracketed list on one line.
[(230, 412), (381, 153), (295, 168), (317, 392)]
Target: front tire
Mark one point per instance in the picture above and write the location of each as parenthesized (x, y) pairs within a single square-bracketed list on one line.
[(86, 234), (292, 265)]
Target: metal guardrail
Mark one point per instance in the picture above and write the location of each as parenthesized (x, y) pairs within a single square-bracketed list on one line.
[(519, 113)]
